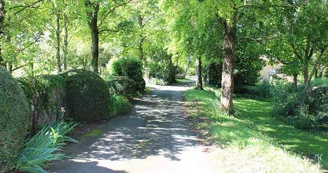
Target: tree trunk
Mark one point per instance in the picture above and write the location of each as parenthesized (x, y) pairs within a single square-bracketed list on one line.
[(206, 74), (199, 82), (141, 39), (2, 21), (227, 82), (316, 73), (295, 75), (93, 25), (95, 49), (321, 72), (58, 42), (307, 79), (10, 67), (65, 48)]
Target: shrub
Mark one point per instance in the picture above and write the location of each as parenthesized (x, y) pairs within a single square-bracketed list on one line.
[(286, 100), (264, 89), (292, 105), (162, 74), (214, 74), (47, 93), (180, 72), (121, 85), (260, 91), (45, 146), (155, 69), (158, 81), (119, 105), (131, 68), (87, 96), (14, 120)]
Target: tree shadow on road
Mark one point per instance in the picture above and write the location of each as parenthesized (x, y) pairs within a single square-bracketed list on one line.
[(156, 126), (83, 167)]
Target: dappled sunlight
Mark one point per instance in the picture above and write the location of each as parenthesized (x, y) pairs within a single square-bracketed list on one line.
[(156, 130), (77, 165), (256, 141), (293, 139)]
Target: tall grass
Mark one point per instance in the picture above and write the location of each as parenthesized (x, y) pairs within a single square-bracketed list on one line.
[(44, 147)]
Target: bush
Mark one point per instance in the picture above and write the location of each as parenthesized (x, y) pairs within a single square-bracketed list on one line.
[(119, 105), (264, 89), (131, 68), (45, 146), (180, 72), (162, 74), (14, 120), (87, 96), (158, 81), (121, 85), (47, 93), (214, 74), (292, 105), (260, 91)]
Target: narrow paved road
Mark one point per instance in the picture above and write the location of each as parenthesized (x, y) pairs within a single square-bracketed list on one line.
[(154, 138)]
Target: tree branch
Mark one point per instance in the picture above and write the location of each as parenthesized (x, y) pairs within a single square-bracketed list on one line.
[(295, 52), (317, 63), (109, 30), (23, 7), (112, 10)]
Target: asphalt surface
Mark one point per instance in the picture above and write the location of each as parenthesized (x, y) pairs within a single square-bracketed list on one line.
[(154, 137)]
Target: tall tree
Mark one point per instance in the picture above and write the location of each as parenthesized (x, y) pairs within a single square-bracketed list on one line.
[(2, 21), (297, 35), (97, 13)]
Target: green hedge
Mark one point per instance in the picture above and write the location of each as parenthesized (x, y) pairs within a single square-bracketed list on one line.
[(87, 96), (121, 85), (14, 120), (131, 68), (48, 93)]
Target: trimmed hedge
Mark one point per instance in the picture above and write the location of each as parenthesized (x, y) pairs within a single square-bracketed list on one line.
[(121, 85), (87, 96), (131, 68), (14, 120), (48, 93)]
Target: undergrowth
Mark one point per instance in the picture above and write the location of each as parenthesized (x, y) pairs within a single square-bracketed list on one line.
[(44, 147)]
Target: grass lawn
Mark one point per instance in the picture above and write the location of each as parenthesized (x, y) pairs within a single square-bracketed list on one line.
[(313, 145), (255, 142), (182, 80)]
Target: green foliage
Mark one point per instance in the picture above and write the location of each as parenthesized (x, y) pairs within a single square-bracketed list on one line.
[(248, 64), (121, 85), (262, 90), (14, 120), (180, 72), (158, 81), (162, 73), (293, 106), (131, 68), (155, 69), (87, 96), (214, 74), (265, 89), (119, 105), (46, 93), (253, 140), (44, 147)]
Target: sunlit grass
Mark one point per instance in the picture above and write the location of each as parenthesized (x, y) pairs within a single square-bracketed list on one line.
[(182, 80), (93, 133), (255, 142), (312, 144)]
